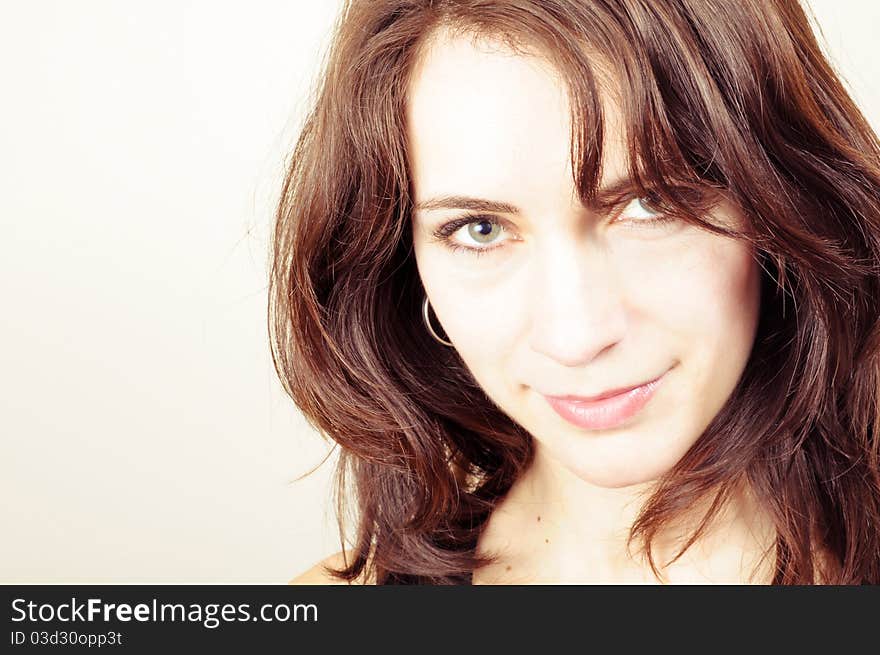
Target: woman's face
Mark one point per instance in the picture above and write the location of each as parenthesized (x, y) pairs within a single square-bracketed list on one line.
[(548, 297)]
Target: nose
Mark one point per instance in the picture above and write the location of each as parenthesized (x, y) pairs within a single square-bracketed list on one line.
[(577, 312)]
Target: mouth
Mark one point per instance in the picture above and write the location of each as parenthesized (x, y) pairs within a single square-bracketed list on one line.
[(607, 410)]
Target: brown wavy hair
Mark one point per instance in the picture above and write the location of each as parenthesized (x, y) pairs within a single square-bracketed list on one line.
[(736, 96)]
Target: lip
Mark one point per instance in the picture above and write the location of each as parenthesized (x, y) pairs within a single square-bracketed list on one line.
[(607, 410)]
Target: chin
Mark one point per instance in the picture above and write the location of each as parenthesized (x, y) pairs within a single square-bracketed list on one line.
[(612, 480), (622, 471)]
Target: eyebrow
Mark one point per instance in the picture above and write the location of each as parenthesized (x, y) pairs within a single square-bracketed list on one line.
[(604, 196), (467, 202)]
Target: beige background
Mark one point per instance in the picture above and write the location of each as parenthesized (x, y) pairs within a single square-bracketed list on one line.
[(144, 435)]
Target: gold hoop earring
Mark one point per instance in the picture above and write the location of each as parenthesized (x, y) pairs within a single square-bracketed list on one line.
[(427, 320)]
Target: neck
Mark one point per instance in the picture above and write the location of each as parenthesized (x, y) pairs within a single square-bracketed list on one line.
[(555, 527)]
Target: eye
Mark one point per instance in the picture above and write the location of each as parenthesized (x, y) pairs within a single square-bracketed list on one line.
[(643, 210), (478, 234), (640, 208), (483, 231)]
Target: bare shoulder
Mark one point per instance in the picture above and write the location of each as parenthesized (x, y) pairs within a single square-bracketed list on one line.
[(318, 574)]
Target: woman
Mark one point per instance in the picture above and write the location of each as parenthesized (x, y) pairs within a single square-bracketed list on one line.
[(587, 291)]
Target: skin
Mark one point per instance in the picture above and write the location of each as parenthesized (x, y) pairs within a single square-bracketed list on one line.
[(575, 300)]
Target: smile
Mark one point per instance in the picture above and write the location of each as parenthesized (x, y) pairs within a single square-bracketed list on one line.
[(608, 412)]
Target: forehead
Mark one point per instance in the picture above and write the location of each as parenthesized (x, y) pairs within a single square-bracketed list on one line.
[(480, 115), (488, 78)]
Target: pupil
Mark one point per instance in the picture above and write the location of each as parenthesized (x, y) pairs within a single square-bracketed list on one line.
[(481, 230)]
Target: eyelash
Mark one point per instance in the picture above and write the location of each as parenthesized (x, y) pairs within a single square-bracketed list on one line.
[(445, 231)]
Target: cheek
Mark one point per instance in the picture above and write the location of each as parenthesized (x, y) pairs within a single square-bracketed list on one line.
[(479, 312), (704, 288), (696, 296), (480, 318), (729, 296)]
